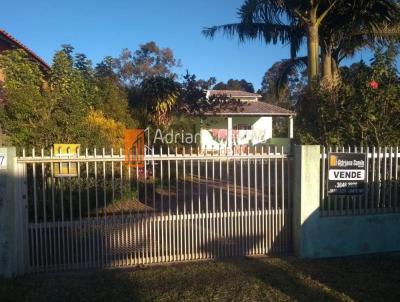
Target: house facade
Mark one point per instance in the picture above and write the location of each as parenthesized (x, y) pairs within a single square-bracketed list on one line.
[(249, 123)]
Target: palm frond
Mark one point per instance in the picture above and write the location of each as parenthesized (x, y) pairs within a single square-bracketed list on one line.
[(283, 70), (270, 21), (355, 41), (297, 38), (269, 32), (270, 11), (288, 67), (386, 32)]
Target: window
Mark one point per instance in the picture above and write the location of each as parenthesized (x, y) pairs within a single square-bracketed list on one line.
[(242, 127)]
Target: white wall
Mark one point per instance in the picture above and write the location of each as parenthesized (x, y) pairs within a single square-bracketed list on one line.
[(264, 123), (207, 141), (258, 124)]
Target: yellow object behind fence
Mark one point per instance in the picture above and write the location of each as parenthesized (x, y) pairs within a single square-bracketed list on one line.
[(332, 160), (66, 151)]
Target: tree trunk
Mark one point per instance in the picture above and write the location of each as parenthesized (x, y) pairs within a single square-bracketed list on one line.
[(327, 68), (313, 54), (335, 69)]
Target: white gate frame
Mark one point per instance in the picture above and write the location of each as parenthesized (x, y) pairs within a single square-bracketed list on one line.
[(273, 224)]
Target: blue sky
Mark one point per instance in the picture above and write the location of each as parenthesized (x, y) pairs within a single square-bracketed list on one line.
[(100, 28)]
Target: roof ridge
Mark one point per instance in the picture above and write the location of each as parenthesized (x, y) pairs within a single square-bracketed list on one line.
[(231, 91), (275, 105), (250, 109), (27, 49)]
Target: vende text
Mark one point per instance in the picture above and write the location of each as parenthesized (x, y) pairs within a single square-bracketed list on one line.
[(346, 174)]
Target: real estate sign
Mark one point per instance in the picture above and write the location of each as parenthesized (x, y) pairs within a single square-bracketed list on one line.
[(346, 173)]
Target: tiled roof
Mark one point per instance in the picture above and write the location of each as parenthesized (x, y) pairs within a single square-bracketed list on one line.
[(250, 109), (233, 93), (13, 41)]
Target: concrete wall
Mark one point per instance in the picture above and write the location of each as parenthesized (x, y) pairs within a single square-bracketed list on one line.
[(351, 235), (316, 236), (12, 220), (7, 214)]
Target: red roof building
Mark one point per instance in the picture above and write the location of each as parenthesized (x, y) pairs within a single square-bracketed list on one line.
[(244, 122), (8, 42), (249, 105)]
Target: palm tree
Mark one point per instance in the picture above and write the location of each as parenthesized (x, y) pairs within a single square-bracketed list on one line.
[(354, 26), (337, 43), (160, 95), (291, 21), (282, 21)]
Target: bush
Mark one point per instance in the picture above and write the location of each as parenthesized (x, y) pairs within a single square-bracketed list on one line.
[(363, 109)]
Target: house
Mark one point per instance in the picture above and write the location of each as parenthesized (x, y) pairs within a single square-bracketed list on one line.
[(8, 42), (248, 123)]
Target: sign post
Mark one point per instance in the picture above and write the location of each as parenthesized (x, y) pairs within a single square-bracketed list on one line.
[(346, 173)]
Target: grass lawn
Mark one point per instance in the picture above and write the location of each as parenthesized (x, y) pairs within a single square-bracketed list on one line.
[(366, 278)]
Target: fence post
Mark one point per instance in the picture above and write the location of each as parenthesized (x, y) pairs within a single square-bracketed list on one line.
[(306, 195), (12, 209)]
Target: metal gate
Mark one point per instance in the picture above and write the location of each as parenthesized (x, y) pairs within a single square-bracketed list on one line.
[(177, 206)]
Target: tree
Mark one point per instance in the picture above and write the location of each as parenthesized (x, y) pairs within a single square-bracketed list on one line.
[(105, 129), (84, 65), (146, 62), (111, 94), (281, 84), (160, 95), (74, 104), (371, 23), (291, 21), (68, 49), (149, 67), (193, 94), (68, 99), (112, 100), (25, 113), (283, 21), (232, 84), (106, 68), (77, 93), (364, 109)]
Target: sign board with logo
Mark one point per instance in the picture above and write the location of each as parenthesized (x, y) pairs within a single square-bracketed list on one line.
[(66, 151), (346, 173)]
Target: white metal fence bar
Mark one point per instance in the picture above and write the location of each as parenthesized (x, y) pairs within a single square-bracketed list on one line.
[(120, 226), (175, 207)]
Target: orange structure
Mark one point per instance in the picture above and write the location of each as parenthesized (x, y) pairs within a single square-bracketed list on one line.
[(134, 148)]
